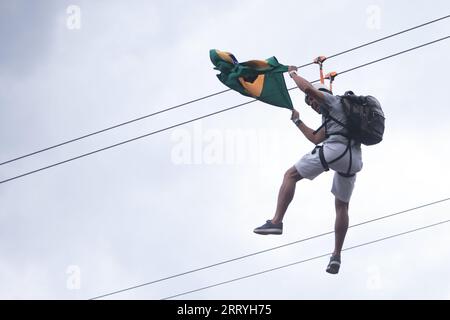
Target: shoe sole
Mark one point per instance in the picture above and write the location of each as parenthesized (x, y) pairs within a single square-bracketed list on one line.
[(332, 271), (333, 268), (268, 231)]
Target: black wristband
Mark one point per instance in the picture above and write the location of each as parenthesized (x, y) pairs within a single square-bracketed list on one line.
[(297, 121)]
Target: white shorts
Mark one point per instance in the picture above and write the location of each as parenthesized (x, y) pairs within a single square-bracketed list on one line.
[(309, 167)]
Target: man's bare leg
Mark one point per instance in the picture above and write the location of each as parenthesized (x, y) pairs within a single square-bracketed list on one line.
[(286, 193), (340, 225), (340, 230)]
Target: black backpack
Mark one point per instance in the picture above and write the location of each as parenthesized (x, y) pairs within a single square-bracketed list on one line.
[(365, 118)]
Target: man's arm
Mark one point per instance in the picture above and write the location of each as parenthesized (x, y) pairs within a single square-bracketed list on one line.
[(305, 85), (307, 131)]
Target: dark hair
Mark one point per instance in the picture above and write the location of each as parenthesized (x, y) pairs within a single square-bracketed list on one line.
[(307, 99), (325, 90)]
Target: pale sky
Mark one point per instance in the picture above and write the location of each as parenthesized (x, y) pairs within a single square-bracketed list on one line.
[(191, 196)]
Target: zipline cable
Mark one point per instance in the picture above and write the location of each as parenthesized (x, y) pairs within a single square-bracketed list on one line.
[(266, 250), (207, 96), (201, 117), (305, 260)]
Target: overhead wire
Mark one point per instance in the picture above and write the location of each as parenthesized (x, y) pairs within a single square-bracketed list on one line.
[(389, 36), (207, 96), (305, 260), (203, 117), (277, 247), (265, 250)]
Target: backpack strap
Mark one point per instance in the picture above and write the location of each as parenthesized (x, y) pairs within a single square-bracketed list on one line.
[(321, 126), (337, 121), (329, 118)]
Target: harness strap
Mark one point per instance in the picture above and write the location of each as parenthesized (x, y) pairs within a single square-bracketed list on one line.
[(350, 161), (348, 174), (325, 164), (343, 154), (345, 175), (347, 149), (339, 134), (322, 159)]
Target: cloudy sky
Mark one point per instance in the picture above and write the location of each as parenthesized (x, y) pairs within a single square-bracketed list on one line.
[(191, 196)]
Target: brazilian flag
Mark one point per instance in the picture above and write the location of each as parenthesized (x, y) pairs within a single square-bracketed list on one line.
[(262, 80)]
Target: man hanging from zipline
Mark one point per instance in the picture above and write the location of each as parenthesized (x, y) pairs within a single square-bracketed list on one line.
[(338, 152), (347, 121)]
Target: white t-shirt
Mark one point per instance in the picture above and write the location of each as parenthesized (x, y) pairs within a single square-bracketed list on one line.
[(334, 106)]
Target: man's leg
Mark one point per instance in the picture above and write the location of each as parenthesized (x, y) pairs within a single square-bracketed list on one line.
[(340, 230), (340, 225), (286, 193)]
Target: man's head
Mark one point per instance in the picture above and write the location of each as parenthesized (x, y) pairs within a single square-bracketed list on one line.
[(313, 102)]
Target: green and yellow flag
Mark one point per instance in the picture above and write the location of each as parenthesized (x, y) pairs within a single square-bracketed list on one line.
[(260, 79)]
